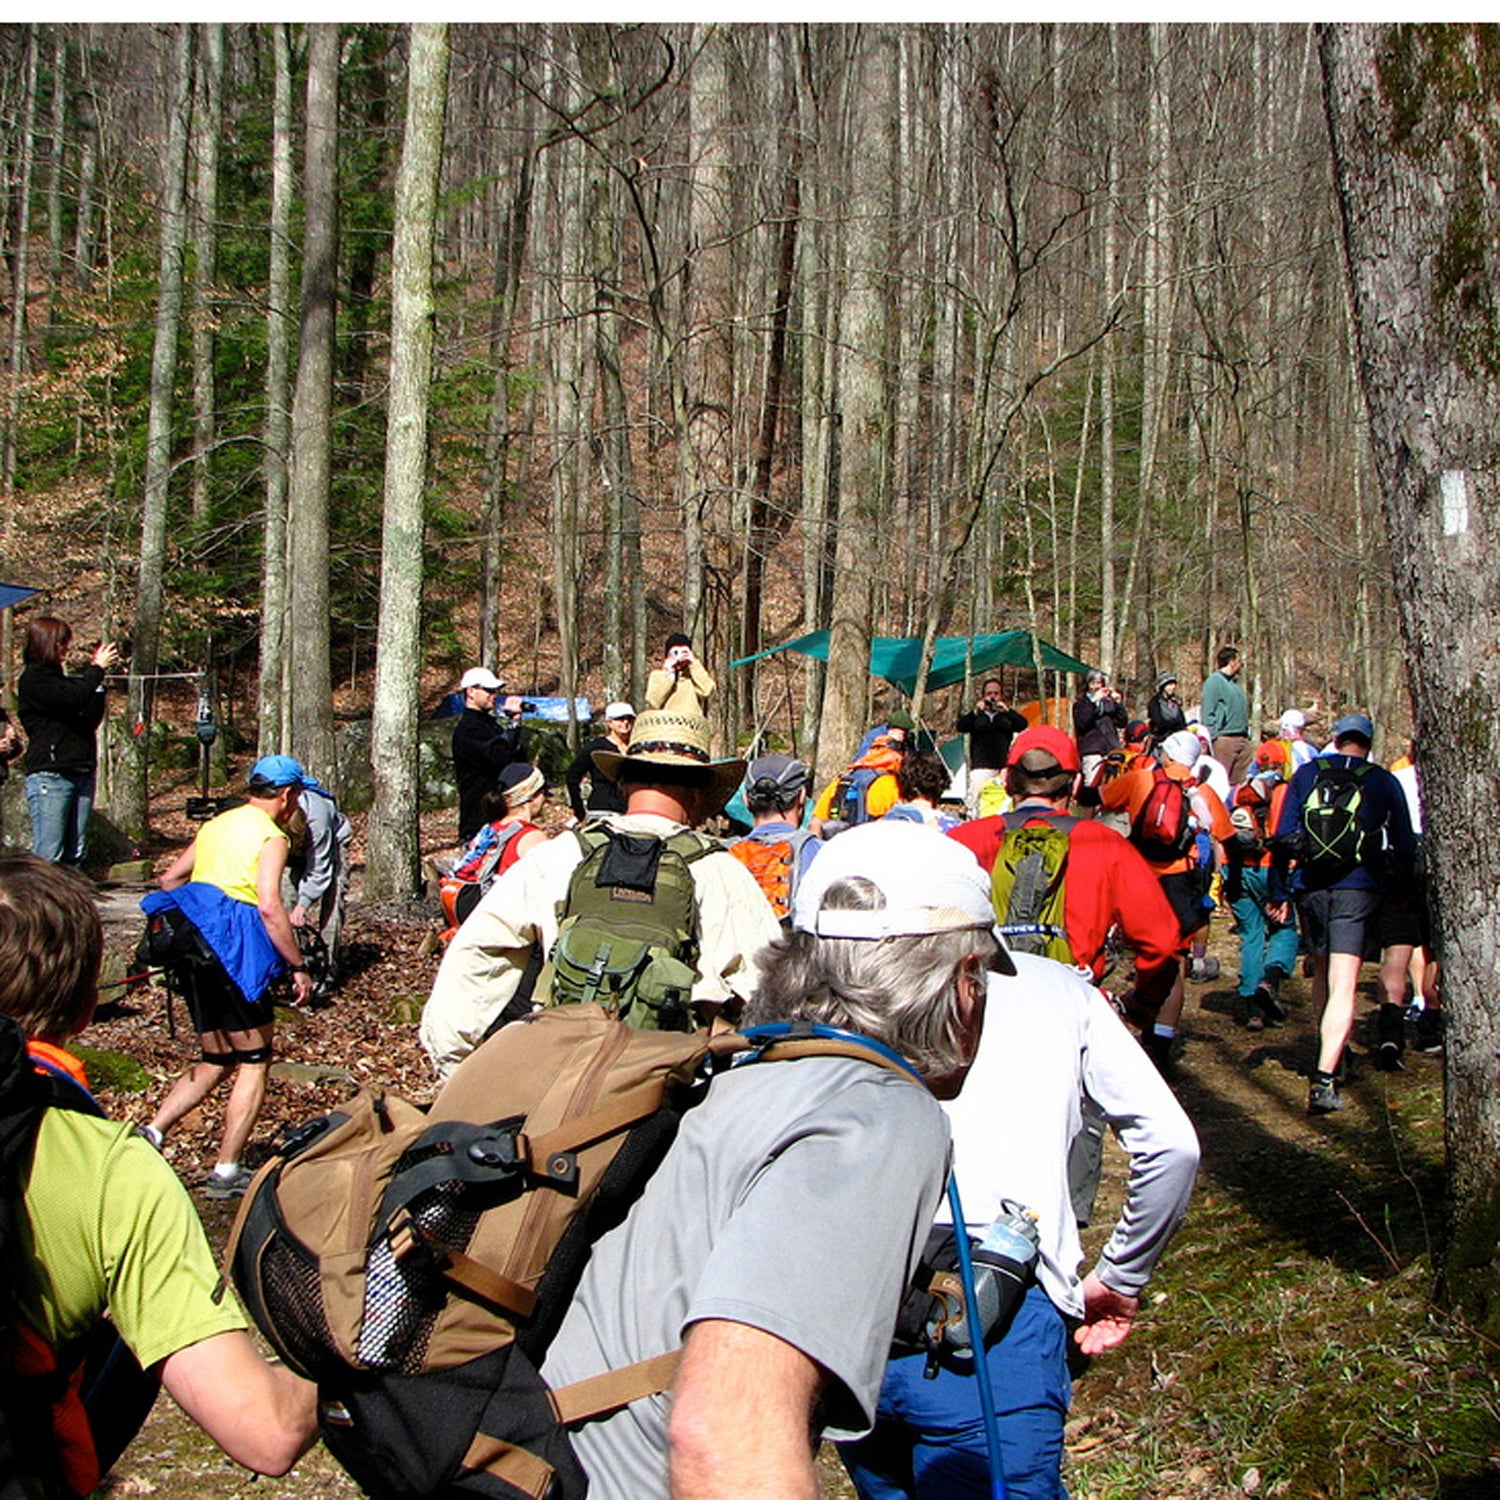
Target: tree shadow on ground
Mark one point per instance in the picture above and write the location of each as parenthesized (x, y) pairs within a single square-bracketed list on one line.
[(1357, 1188)]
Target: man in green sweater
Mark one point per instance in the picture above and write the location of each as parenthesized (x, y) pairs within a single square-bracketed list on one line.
[(1226, 715)]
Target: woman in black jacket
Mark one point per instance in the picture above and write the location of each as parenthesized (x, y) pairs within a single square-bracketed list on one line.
[(60, 715)]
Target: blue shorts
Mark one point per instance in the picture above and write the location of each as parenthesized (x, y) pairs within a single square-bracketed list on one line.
[(928, 1442)]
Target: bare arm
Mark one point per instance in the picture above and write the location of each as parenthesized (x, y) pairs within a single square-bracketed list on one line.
[(261, 1415), (180, 871), (722, 1447)]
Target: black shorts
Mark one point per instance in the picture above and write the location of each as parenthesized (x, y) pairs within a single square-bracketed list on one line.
[(216, 1002), (1339, 921), (1404, 922), (1186, 893)]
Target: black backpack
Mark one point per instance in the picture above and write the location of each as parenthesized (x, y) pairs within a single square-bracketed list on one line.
[(1334, 839), (105, 1395)]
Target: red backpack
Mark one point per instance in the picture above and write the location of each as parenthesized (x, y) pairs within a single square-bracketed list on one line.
[(1164, 828)]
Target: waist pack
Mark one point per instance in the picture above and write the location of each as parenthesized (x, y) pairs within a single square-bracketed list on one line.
[(417, 1266), (1027, 883), (65, 1414), (627, 933)]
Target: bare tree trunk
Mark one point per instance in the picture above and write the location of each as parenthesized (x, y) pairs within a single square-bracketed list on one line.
[(393, 867), (1107, 374), (274, 726), (864, 480), (133, 803), (55, 168), (514, 235), (1416, 162), (208, 117), (312, 416), (21, 285), (86, 113)]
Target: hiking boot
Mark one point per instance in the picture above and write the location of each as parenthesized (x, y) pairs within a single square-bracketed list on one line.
[(232, 1186), (1201, 970), (1390, 1038), (1269, 1003), (151, 1134), (1254, 1020), (1429, 1037), (1323, 1098)]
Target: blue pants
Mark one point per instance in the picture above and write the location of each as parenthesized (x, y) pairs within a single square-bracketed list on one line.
[(59, 806), (1264, 944), (928, 1442)]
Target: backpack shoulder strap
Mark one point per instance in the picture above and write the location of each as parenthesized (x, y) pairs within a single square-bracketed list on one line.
[(691, 846), (1022, 816)]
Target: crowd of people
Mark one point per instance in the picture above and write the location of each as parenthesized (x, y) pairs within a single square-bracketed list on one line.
[(1000, 938)]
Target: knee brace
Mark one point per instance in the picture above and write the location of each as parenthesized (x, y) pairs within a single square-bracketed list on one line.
[(253, 1055), (219, 1059)]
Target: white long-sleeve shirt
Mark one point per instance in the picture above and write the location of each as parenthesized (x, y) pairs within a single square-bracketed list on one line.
[(1048, 1039)]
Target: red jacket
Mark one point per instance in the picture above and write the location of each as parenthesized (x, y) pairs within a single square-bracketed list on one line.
[(1107, 884)]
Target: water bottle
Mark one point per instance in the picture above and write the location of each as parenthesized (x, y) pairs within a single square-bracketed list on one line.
[(1004, 1260)]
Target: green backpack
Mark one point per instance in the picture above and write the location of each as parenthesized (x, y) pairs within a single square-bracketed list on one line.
[(1027, 883), (628, 929)]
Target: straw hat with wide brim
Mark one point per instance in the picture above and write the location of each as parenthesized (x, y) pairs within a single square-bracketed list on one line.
[(668, 737)]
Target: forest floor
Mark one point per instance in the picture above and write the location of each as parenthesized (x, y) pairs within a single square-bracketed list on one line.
[(1288, 1347)]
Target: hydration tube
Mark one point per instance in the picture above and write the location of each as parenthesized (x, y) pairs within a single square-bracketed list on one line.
[(981, 1359)]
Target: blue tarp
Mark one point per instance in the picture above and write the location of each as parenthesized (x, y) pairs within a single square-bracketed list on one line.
[(898, 658), (553, 710), (11, 593)]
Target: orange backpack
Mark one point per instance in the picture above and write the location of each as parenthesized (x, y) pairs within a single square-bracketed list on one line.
[(775, 860)]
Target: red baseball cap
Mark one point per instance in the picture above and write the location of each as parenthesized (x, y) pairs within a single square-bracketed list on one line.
[(1051, 742)]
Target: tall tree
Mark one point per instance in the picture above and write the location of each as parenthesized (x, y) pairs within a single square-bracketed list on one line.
[(394, 846), (272, 696), (208, 121), (1411, 114), (865, 475), (312, 415), (131, 787)]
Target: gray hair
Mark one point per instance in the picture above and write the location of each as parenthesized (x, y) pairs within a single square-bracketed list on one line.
[(899, 990)]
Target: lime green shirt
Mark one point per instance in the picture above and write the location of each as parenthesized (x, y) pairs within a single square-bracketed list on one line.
[(110, 1226), (227, 853)]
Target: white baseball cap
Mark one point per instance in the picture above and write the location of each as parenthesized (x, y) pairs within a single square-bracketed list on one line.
[(931, 883), (481, 677), (1292, 719), (619, 711)]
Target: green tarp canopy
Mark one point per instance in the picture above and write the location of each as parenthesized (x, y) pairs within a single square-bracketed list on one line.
[(897, 658)]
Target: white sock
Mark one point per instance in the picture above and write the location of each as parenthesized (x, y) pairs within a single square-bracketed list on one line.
[(1167, 1031), (226, 1169)]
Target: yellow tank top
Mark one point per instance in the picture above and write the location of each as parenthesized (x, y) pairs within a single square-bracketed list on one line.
[(228, 850)]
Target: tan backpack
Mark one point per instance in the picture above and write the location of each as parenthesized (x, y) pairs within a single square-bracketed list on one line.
[(418, 1265)]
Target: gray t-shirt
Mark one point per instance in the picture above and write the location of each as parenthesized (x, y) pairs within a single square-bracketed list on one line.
[(795, 1200)]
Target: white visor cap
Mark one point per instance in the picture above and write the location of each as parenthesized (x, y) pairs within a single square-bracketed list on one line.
[(931, 883)]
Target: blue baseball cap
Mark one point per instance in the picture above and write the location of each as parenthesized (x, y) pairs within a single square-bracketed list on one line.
[(278, 771), (1356, 726)]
